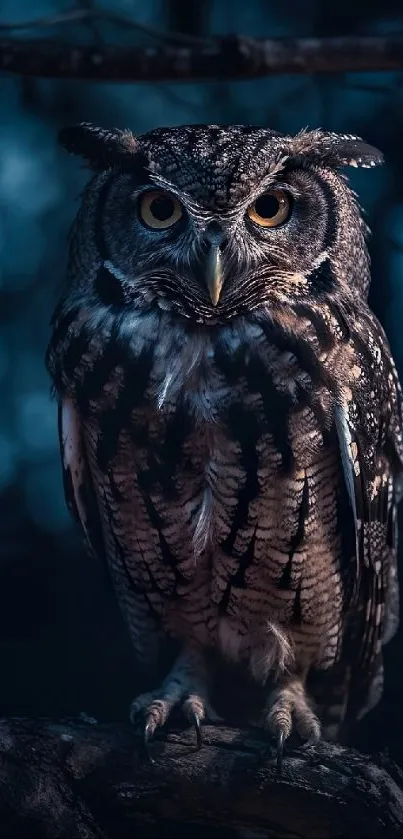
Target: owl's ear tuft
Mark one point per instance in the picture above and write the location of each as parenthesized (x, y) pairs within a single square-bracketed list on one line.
[(336, 150), (101, 148), (348, 150)]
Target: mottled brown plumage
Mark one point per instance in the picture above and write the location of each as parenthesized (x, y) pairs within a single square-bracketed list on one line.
[(230, 415)]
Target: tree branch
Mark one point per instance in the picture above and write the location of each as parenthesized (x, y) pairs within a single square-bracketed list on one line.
[(87, 780), (226, 58)]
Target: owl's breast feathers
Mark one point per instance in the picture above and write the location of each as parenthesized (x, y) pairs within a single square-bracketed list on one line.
[(241, 473)]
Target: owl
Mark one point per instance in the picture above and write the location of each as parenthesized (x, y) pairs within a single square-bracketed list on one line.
[(230, 417)]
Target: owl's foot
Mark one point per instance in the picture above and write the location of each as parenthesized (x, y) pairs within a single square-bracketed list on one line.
[(288, 704), (185, 686), (153, 710)]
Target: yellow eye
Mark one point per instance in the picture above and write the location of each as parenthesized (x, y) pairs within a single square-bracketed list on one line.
[(271, 209), (159, 209)]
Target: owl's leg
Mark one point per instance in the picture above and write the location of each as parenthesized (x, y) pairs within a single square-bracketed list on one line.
[(330, 689), (185, 685), (289, 703)]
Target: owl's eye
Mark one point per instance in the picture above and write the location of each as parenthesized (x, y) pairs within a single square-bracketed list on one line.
[(160, 210), (271, 209)]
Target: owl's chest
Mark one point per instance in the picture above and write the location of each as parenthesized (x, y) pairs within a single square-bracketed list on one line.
[(204, 427), (212, 458), (206, 477), (223, 416), (229, 414), (213, 508)]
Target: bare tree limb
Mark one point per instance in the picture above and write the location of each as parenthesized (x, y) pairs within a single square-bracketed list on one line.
[(226, 58), (76, 779)]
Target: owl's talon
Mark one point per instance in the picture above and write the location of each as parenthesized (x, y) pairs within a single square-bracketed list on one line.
[(148, 734), (197, 724), (288, 707), (280, 750)]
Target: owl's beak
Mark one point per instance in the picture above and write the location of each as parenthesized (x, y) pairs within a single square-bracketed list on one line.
[(215, 238), (214, 274)]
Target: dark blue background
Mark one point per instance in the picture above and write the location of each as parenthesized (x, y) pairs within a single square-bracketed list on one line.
[(62, 645)]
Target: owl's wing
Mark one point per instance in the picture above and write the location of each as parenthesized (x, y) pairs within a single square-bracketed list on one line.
[(369, 428), (77, 481), (82, 500)]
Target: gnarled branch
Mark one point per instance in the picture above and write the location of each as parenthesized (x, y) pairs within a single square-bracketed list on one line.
[(228, 58), (88, 780)]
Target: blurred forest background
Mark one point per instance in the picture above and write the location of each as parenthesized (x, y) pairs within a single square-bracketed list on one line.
[(63, 648)]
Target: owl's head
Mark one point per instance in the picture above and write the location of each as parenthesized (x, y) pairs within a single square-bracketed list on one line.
[(212, 221)]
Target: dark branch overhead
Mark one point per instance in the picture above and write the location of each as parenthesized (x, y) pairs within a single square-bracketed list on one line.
[(229, 58)]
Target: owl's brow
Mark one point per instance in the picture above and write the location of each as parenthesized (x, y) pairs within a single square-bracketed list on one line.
[(268, 182), (164, 183), (271, 178)]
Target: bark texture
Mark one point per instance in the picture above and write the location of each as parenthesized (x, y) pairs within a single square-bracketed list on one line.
[(84, 779)]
